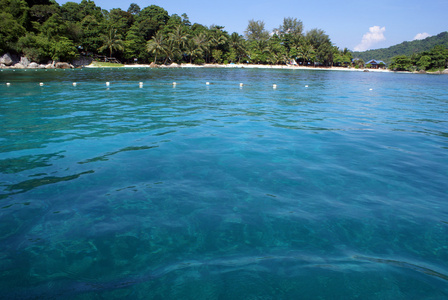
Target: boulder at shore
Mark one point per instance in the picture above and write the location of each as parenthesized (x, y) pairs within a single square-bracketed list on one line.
[(6, 60), (24, 61), (63, 65), (18, 66), (33, 65)]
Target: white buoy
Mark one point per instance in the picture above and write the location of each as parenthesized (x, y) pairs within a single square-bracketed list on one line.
[(174, 83), (108, 83), (8, 84), (140, 84), (241, 84), (74, 83), (207, 83), (41, 84), (370, 89), (306, 85), (274, 86)]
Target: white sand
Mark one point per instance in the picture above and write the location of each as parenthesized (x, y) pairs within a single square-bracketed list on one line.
[(249, 66)]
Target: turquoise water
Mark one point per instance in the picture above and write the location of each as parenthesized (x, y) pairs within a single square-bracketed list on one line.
[(337, 190)]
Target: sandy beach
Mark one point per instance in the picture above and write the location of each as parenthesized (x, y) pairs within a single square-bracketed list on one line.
[(247, 66)]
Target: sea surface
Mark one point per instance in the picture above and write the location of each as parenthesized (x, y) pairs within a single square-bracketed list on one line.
[(334, 185)]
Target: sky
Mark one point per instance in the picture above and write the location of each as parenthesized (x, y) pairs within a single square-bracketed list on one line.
[(354, 24)]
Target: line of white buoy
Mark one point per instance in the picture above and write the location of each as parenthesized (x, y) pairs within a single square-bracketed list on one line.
[(274, 86)]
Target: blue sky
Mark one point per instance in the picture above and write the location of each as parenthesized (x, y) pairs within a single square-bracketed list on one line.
[(355, 24)]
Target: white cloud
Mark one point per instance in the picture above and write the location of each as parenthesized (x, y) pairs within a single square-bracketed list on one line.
[(421, 36), (375, 35)]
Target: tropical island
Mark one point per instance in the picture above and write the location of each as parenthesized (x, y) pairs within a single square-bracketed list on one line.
[(44, 34)]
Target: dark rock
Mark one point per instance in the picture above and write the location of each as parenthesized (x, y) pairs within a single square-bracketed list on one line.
[(82, 61)]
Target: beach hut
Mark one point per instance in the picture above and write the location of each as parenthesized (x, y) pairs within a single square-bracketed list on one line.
[(376, 64)]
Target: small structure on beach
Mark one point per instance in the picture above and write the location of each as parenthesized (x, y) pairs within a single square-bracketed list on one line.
[(376, 64)]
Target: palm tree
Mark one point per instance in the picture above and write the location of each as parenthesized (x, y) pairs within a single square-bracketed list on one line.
[(306, 52), (201, 40), (236, 42), (179, 37), (112, 41), (156, 45), (276, 53), (170, 49), (192, 50), (216, 38), (259, 50)]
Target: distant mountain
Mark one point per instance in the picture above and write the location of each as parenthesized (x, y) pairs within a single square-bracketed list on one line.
[(406, 48)]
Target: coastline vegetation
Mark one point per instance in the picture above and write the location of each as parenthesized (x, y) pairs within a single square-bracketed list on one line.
[(43, 30), (433, 60)]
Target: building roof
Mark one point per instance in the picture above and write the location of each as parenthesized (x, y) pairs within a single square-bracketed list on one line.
[(375, 62)]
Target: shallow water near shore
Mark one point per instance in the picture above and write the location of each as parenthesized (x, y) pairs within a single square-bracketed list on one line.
[(331, 186)]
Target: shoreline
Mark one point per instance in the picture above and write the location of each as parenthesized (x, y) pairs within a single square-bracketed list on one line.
[(244, 66), (61, 65), (256, 66)]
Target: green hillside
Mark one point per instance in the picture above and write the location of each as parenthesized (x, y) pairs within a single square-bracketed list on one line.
[(405, 48)]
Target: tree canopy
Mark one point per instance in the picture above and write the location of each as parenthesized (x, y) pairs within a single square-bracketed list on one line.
[(432, 60), (43, 30)]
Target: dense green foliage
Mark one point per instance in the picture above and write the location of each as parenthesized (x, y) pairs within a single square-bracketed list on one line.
[(432, 60), (405, 48), (43, 30)]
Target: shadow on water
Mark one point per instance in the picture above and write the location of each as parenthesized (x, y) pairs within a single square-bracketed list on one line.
[(28, 162), (105, 156), (297, 268), (28, 185), (405, 265)]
